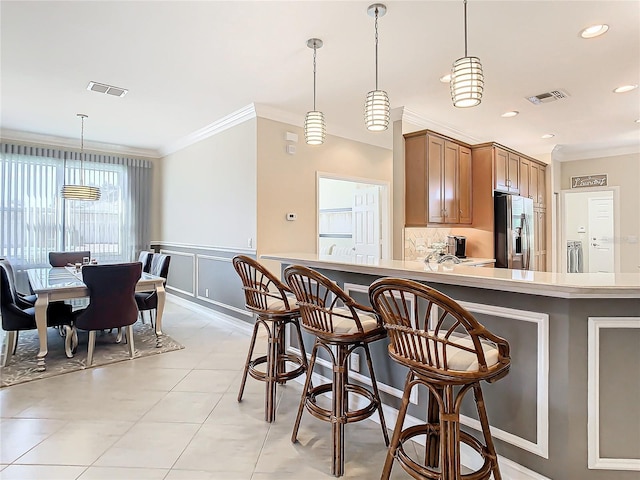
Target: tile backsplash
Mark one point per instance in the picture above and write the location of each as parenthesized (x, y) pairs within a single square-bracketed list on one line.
[(418, 240)]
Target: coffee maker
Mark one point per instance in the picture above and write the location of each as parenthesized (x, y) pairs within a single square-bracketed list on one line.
[(457, 245)]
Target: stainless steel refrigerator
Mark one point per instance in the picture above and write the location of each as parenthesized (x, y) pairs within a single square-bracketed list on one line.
[(513, 232)]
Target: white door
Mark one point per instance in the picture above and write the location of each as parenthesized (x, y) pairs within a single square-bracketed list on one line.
[(601, 247), (366, 224)]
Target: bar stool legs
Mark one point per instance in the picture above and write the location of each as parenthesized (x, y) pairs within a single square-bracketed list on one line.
[(442, 434), (340, 414), (275, 361)]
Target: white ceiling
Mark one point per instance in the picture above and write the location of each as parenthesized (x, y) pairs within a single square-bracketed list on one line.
[(189, 64)]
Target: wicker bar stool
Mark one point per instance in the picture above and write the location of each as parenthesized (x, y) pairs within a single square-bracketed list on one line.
[(267, 297), (340, 326), (448, 351)]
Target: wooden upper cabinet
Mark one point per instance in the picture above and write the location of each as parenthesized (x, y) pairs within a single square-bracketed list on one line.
[(465, 180), (513, 173), (433, 187), (527, 174), (436, 172), (506, 171), (415, 185), (500, 170), (542, 187)]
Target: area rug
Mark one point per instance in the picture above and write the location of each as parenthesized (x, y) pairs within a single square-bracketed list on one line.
[(22, 367)]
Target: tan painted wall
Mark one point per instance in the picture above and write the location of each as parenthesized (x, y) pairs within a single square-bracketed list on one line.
[(287, 183), (623, 171), (208, 191)]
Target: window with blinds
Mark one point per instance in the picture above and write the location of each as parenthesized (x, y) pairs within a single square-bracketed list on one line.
[(35, 219)]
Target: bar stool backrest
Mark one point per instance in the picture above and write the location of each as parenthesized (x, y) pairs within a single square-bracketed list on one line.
[(262, 290), (323, 304), (432, 332)]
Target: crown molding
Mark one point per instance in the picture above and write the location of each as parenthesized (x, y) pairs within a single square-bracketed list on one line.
[(568, 153), (277, 115), (53, 141), (418, 120), (235, 118)]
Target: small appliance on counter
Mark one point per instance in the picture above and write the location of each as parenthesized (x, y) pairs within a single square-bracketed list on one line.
[(457, 245)]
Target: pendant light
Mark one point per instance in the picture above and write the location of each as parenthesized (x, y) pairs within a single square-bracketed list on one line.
[(314, 127), (376, 107), (82, 191), (467, 79)]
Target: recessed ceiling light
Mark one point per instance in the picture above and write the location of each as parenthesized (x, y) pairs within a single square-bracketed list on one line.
[(594, 31), (548, 135), (638, 121), (512, 113), (625, 88), (446, 78)]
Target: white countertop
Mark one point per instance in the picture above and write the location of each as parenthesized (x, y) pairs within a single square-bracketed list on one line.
[(562, 285)]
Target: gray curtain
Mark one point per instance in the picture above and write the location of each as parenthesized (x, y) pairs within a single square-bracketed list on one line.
[(34, 219)]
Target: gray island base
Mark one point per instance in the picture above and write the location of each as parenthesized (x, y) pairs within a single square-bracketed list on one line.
[(570, 407)]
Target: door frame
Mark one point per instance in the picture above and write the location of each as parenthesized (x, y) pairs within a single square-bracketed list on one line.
[(385, 210), (561, 249)]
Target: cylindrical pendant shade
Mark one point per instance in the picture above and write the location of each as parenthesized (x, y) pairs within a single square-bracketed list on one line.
[(467, 82), (376, 110), (80, 192), (314, 128)]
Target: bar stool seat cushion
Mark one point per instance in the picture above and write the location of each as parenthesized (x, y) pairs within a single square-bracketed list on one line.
[(348, 325), (277, 304), (462, 360)]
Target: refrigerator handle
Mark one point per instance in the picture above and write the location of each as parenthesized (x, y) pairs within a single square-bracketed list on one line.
[(526, 254)]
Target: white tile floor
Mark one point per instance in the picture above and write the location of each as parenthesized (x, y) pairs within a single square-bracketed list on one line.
[(172, 416)]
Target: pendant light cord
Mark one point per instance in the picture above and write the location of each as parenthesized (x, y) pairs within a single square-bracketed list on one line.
[(314, 76), (465, 28), (82, 151), (377, 47)]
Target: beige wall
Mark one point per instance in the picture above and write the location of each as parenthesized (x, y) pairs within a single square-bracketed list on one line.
[(624, 172), (208, 191), (287, 183)]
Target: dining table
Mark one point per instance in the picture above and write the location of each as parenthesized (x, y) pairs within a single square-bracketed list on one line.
[(65, 283)]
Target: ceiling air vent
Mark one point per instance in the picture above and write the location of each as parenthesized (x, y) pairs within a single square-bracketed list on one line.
[(108, 89), (547, 97)]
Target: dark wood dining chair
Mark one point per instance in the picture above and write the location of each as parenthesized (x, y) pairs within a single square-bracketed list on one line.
[(61, 259), (112, 302), (340, 325), (159, 266), (18, 315), (449, 352)]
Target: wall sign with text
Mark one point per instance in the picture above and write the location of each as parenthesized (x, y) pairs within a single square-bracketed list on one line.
[(589, 181)]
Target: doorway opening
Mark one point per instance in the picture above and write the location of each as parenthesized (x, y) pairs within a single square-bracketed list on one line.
[(589, 226), (353, 218)]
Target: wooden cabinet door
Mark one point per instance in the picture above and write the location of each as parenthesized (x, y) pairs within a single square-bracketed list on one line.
[(526, 175), (435, 174), (513, 173), (450, 182), (464, 185), (540, 240), (415, 170), (542, 186), (533, 183), (500, 169)]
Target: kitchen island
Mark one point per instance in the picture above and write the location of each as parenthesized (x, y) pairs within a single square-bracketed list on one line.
[(570, 406)]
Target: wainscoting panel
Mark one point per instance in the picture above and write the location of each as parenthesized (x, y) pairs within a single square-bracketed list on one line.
[(614, 419), (181, 276), (205, 276)]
